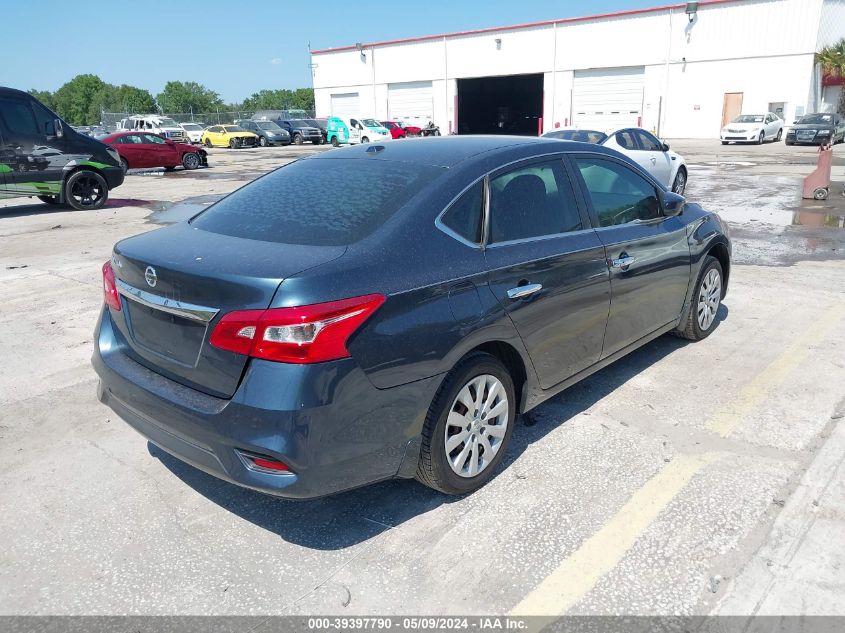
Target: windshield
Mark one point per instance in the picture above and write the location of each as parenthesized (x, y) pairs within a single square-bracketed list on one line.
[(327, 202), (167, 122), (825, 119), (233, 128), (389, 125), (191, 126), (370, 123), (301, 123), (749, 118), (268, 125)]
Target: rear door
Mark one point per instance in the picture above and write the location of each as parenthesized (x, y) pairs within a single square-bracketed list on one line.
[(130, 147), (647, 254), (547, 267)]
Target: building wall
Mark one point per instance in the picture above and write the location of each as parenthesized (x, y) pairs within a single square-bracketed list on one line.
[(762, 48)]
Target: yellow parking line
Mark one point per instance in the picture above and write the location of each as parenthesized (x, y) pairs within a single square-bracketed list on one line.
[(752, 395), (600, 553)]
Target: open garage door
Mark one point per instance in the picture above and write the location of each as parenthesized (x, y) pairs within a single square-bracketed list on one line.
[(500, 105), (410, 100), (607, 97), (345, 105)]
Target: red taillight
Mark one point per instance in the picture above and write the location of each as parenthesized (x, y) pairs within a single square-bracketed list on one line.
[(262, 462), (304, 334), (110, 295)]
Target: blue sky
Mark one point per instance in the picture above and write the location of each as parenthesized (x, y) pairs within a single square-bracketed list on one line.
[(235, 48)]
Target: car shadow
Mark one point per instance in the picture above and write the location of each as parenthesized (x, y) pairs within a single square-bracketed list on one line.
[(42, 208), (349, 518)]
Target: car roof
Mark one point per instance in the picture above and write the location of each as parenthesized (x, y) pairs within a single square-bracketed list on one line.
[(448, 151)]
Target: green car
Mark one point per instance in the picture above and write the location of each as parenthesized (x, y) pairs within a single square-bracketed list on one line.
[(337, 131)]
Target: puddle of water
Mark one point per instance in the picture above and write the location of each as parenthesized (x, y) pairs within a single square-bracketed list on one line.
[(164, 212)]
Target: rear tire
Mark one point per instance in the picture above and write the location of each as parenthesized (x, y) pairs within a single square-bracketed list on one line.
[(706, 299), (207, 142), (439, 467), (335, 142), (191, 160), (86, 190), (125, 165)]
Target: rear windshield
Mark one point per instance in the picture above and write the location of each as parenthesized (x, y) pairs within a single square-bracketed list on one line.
[(328, 202)]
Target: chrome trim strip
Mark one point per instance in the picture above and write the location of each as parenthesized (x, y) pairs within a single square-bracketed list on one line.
[(202, 314)]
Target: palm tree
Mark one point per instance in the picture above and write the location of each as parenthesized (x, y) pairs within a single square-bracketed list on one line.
[(832, 60)]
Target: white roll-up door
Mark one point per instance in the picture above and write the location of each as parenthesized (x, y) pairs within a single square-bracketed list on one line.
[(410, 100), (346, 105), (607, 97)]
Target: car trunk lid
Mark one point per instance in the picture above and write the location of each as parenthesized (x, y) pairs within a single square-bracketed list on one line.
[(175, 285)]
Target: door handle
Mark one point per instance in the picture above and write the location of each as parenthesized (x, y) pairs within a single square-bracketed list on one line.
[(520, 292), (623, 262), (653, 160)]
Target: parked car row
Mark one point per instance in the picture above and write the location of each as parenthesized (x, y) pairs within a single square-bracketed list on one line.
[(641, 146), (818, 128)]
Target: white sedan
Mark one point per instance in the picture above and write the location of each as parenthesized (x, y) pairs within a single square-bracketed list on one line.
[(641, 146), (753, 128)]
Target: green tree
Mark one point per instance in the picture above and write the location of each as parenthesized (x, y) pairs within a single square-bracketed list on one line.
[(301, 98), (187, 96), (44, 96), (832, 60), (75, 100)]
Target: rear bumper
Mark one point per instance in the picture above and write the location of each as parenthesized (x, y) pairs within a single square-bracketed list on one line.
[(326, 421)]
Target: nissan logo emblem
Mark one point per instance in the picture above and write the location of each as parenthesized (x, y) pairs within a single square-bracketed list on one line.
[(151, 277)]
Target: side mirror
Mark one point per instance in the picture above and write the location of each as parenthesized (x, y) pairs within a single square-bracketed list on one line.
[(58, 130), (665, 147), (673, 204)]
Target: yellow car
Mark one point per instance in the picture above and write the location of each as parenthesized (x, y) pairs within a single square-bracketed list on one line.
[(228, 136)]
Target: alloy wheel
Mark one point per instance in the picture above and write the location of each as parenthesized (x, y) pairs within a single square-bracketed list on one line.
[(709, 296), (87, 191), (476, 425), (680, 182)]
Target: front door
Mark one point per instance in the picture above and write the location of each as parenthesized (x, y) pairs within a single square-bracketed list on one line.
[(32, 152), (731, 107), (647, 253), (165, 155), (547, 268), (652, 158)]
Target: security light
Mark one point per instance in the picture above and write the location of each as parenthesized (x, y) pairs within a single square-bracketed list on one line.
[(691, 10), (498, 44), (360, 48)]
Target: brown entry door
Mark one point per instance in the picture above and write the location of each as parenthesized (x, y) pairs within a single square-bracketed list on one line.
[(732, 107)]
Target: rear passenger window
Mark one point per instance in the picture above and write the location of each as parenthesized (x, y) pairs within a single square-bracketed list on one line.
[(619, 195), (625, 140), (464, 216), (532, 201)]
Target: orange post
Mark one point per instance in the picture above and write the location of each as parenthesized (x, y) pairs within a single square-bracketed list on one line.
[(817, 184)]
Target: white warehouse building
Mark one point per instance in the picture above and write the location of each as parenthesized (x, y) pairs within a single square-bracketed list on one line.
[(681, 70)]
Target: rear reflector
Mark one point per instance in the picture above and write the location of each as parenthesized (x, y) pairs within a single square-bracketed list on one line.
[(110, 296), (303, 334), (262, 462)]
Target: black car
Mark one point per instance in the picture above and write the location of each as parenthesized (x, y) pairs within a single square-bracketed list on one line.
[(819, 128), (301, 131), (268, 132), (322, 125), (42, 156), (398, 323)]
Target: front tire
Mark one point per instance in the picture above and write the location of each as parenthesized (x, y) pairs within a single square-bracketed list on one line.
[(86, 190), (190, 160), (297, 139), (680, 184), (335, 142), (231, 143), (706, 299), (207, 142), (761, 138), (779, 136), (468, 426), (124, 164), (365, 139), (262, 141)]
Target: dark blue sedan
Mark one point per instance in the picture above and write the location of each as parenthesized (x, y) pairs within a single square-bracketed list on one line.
[(398, 323)]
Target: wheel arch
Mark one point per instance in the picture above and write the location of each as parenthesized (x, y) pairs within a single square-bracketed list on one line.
[(82, 167), (719, 250), (510, 357)]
